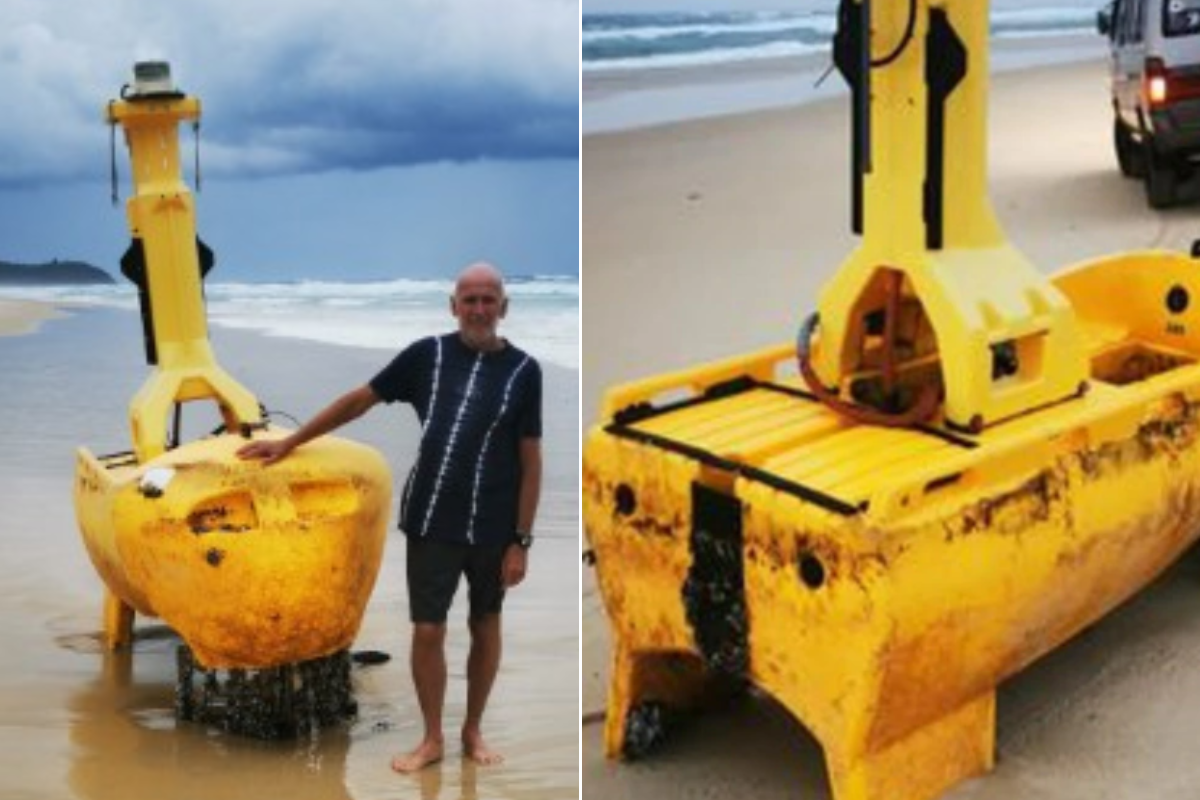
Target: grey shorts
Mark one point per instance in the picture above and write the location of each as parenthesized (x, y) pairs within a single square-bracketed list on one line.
[(434, 569)]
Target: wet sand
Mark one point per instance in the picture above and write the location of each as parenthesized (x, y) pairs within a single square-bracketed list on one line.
[(707, 239), (623, 99), (77, 723), (24, 316)]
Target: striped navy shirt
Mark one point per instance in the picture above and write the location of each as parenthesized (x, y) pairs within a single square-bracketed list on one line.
[(474, 407)]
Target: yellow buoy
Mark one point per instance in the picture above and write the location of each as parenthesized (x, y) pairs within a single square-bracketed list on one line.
[(957, 467), (253, 566)]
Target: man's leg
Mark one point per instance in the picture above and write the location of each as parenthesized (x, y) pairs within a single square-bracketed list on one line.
[(487, 599), (433, 573), (482, 665), (429, 676)]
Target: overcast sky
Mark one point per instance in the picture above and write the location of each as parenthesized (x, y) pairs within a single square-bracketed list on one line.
[(361, 138)]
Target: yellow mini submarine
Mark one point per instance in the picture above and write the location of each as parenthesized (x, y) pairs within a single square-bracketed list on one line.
[(255, 567), (957, 466)]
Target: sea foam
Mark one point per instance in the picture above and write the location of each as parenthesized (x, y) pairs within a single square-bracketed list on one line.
[(543, 314)]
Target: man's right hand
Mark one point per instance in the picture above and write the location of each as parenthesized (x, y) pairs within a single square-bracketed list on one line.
[(268, 450)]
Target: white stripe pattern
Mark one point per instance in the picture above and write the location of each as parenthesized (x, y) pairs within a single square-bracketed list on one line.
[(487, 439), (437, 372), (462, 407)]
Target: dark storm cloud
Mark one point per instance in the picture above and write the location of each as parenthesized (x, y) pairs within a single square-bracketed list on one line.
[(301, 86), (305, 130)]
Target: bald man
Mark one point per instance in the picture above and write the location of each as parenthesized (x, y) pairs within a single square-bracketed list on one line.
[(469, 503)]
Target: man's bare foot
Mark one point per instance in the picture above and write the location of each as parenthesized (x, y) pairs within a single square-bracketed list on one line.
[(428, 752), (477, 750)]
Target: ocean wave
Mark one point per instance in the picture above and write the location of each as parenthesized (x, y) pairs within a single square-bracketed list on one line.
[(674, 42), (681, 19), (550, 334), (651, 32), (385, 314), (707, 57), (399, 288), (651, 40)]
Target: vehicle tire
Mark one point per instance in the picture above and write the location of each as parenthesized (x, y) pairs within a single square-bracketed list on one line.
[(1161, 180), (1129, 158)]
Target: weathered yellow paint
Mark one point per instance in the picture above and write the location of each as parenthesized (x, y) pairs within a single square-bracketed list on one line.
[(886, 580), (962, 566), (118, 621), (253, 566)]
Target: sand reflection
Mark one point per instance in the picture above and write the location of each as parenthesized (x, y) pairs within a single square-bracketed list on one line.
[(431, 779), (127, 744)]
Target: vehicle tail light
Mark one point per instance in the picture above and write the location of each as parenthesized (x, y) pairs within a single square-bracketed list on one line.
[(1156, 81)]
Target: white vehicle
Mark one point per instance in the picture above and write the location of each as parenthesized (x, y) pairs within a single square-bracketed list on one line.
[(1155, 62)]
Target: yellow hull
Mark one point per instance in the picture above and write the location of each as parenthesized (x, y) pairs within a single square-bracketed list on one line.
[(881, 582), (253, 566)]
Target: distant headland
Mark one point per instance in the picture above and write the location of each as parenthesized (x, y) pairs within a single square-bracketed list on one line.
[(51, 273)]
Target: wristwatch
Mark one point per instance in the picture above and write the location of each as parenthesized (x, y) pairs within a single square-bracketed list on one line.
[(523, 540)]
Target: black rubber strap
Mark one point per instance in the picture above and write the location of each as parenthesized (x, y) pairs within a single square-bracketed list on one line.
[(805, 493), (945, 67)]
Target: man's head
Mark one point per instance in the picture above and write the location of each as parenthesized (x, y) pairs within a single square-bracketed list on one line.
[(479, 303)]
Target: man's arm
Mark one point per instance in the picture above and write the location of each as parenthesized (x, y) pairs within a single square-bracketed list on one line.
[(531, 483), (349, 406), (516, 559)]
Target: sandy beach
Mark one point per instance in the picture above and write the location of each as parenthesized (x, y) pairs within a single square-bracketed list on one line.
[(710, 238), (620, 98), (80, 724)]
